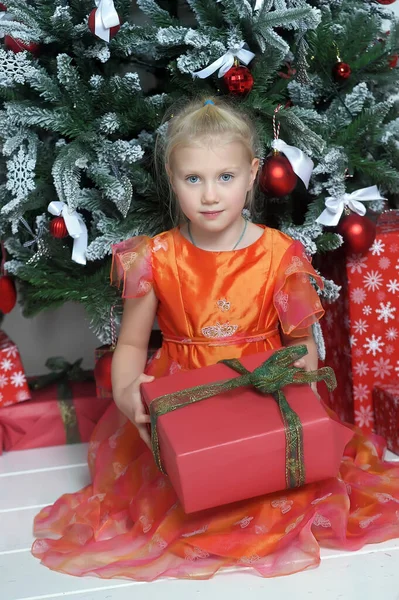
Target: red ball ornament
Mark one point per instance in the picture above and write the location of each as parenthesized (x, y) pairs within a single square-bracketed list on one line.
[(8, 294), (3, 6), (277, 177), (92, 25), (239, 81), (58, 228), (385, 2), (17, 45), (341, 71), (358, 232), (102, 371), (393, 60)]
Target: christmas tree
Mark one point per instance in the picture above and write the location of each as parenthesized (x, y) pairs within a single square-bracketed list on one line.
[(85, 87)]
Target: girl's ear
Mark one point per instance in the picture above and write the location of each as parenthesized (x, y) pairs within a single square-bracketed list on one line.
[(253, 172), (169, 173)]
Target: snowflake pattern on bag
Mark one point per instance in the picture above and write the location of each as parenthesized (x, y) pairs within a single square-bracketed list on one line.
[(373, 293), (375, 279), (13, 385), (386, 413)]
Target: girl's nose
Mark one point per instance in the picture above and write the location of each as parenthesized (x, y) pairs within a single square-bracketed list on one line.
[(209, 194)]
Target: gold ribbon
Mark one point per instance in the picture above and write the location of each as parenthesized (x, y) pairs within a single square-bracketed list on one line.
[(269, 378), (69, 420)]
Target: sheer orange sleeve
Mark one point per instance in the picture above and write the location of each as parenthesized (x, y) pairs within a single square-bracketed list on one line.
[(295, 299), (131, 266)]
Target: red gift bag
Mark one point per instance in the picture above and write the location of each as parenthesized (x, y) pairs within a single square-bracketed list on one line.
[(13, 385)]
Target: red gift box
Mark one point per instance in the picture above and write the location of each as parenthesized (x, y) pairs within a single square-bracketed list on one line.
[(370, 298), (232, 446), (154, 344), (98, 353), (386, 413), (48, 420), (13, 385)]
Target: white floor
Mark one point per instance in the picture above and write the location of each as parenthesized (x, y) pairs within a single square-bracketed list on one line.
[(34, 478)]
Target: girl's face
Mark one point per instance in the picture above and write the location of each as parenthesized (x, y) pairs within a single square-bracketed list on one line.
[(211, 181)]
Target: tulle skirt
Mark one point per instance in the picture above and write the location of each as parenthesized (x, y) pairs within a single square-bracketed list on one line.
[(128, 522)]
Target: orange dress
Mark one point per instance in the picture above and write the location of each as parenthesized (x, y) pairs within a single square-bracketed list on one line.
[(127, 522)]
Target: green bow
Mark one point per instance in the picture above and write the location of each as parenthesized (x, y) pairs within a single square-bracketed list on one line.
[(269, 378), (62, 373)]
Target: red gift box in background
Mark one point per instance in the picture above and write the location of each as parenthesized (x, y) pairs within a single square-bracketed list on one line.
[(48, 420), (386, 413), (232, 446), (13, 385), (370, 298), (98, 353), (154, 344)]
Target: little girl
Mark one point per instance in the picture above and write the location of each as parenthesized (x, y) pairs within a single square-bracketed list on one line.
[(221, 287)]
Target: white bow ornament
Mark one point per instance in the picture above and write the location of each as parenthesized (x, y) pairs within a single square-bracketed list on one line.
[(301, 164), (4, 16), (225, 62), (76, 228), (335, 206), (105, 18)]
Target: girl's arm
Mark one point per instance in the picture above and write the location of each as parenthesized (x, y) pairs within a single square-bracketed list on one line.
[(130, 357)]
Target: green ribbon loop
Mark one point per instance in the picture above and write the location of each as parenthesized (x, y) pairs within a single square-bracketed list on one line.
[(269, 379)]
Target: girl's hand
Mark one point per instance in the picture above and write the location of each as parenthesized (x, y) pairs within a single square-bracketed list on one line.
[(302, 363), (131, 404), (309, 362)]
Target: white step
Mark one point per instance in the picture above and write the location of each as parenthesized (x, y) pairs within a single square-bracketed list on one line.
[(31, 479)]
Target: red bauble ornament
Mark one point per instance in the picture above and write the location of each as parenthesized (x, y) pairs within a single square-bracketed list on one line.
[(92, 25), (17, 45), (358, 232), (239, 81), (341, 71), (102, 372), (277, 177), (58, 228), (393, 60), (8, 294), (385, 2), (3, 6)]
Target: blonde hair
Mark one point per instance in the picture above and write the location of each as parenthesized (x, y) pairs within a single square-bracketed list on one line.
[(207, 119)]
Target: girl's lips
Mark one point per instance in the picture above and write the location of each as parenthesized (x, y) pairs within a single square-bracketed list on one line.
[(211, 214)]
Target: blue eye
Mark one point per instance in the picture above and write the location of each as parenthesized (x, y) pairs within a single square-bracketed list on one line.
[(192, 179), (226, 177)]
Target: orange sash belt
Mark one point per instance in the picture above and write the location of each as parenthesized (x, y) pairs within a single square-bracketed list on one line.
[(227, 341)]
